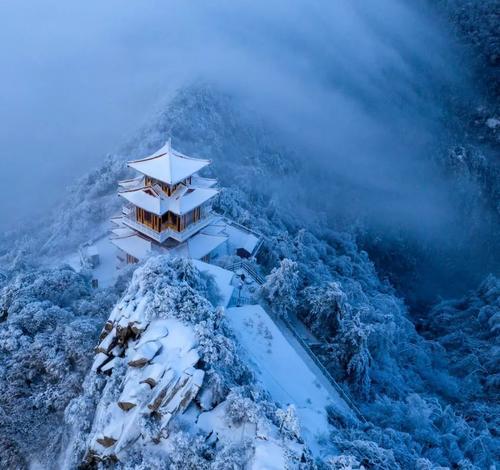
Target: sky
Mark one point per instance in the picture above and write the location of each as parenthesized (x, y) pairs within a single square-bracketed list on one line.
[(78, 78), (351, 84)]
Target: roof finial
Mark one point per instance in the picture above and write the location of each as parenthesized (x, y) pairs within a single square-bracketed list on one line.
[(169, 145)]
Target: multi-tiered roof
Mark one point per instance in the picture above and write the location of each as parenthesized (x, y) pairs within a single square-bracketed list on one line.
[(168, 203), (168, 184)]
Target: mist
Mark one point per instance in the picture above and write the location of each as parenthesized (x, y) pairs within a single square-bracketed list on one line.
[(353, 88)]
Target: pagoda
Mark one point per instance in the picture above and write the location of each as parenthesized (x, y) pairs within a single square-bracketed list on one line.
[(168, 207)]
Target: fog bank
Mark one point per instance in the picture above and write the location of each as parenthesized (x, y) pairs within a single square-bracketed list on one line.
[(353, 87)]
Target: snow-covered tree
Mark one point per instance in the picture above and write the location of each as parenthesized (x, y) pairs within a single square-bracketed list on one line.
[(169, 289), (233, 456), (280, 288), (288, 421), (51, 322), (241, 408), (323, 308), (421, 375), (343, 462), (188, 452), (352, 351)]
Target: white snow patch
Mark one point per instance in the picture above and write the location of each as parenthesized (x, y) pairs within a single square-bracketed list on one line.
[(241, 238), (159, 376), (106, 271), (268, 456), (282, 371)]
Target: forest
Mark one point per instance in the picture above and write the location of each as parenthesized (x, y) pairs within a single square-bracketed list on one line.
[(393, 266)]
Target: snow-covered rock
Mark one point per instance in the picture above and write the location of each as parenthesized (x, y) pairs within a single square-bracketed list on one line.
[(165, 371)]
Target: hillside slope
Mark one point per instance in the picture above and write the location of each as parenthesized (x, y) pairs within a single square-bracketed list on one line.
[(403, 380)]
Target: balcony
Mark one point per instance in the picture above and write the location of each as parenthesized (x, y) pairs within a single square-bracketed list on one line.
[(160, 237)]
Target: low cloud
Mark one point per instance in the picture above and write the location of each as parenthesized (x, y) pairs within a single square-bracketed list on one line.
[(353, 86)]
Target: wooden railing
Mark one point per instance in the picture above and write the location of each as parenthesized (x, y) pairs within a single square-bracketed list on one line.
[(168, 233)]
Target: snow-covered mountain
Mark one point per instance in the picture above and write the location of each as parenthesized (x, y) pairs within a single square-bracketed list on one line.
[(204, 396)]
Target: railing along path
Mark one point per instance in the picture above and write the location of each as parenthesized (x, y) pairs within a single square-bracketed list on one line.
[(238, 300)]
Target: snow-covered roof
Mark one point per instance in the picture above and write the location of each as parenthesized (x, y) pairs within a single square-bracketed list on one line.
[(168, 165), (134, 245), (217, 227), (241, 237), (201, 244), (198, 245), (200, 182), (223, 278), (132, 183), (117, 220), (122, 231), (195, 247), (182, 201)]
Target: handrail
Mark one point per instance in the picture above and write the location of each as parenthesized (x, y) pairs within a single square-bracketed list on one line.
[(324, 370), (163, 235), (260, 280), (258, 247), (241, 264)]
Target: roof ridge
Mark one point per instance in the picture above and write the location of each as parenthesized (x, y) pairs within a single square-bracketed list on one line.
[(187, 157), (145, 159), (170, 151)]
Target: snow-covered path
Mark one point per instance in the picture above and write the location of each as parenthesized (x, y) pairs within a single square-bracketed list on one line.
[(286, 372)]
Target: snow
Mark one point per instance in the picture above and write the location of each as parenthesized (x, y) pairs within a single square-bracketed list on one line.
[(73, 260), (92, 251), (158, 329), (122, 231), (200, 182), (132, 183), (283, 372), (106, 271), (134, 245), (222, 277), (159, 375), (216, 421), (195, 247), (182, 201), (169, 165), (217, 227), (151, 373), (202, 244), (268, 456), (145, 353), (241, 237)]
